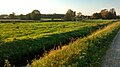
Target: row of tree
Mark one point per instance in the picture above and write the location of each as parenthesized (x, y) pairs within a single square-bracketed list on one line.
[(69, 16), (34, 15), (104, 14)]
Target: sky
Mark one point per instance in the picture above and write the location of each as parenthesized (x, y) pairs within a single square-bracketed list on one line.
[(86, 7)]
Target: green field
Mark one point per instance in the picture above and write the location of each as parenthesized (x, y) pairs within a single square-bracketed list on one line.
[(11, 31), (19, 41), (85, 52)]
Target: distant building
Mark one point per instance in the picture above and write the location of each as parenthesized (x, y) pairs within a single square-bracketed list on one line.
[(3, 16)]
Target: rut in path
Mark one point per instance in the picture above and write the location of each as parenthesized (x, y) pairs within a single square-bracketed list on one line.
[(112, 57)]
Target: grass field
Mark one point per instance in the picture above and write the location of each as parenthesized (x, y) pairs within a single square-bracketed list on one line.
[(11, 31), (85, 52), (19, 41)]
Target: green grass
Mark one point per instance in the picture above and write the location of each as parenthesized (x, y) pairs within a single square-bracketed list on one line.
[(11, 31), (19, 41), (85, 52)]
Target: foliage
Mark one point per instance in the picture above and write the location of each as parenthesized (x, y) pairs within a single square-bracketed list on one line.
[(70, 15), (12, 16), (96, 16), (35, 15), (20, 41), (105, 14), (85, 52)]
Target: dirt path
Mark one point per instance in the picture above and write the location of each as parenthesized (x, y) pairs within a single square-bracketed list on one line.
[(112, 57)]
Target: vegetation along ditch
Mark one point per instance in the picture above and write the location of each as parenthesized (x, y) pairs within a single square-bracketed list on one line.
[(17, 51), (85, 52)]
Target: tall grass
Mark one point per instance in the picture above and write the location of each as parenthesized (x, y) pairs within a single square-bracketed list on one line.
[(85, 52), (21, 41)]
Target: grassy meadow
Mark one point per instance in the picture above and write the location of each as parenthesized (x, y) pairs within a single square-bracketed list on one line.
[(11, 31), (85, 52), (21, 41)]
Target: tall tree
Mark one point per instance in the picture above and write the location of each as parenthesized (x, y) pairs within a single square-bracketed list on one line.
[(96, 16), (104, 13), (70, 15), (35, 15), (78, 14), (112, 13), (12, 16)]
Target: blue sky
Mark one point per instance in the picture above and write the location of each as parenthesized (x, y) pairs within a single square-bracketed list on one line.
[(87, 7)]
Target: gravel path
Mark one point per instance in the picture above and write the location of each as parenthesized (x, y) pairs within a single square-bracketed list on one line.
[(112, 57)]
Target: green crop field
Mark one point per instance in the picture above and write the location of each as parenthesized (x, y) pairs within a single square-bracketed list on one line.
[(19, 41), (11, 31), (85, 52)]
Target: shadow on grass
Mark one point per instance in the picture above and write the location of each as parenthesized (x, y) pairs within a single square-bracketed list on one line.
[(20, 52)]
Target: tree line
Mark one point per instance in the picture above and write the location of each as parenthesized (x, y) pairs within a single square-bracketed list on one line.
[(34, 15), (103, 14), (69, 16)]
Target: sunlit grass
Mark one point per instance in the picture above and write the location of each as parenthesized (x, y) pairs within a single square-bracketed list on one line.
[(85, 52), (11, 31), (23, 40)]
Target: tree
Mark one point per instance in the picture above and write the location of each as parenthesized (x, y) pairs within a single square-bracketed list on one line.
[(28, 17), (12, 16), (21, 16), (53, 16), (35, 15), (4, 16), (96, 16), (70, 15), (112, 13), (118, 17), (25, 17), (104, 13), (78, 14)]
